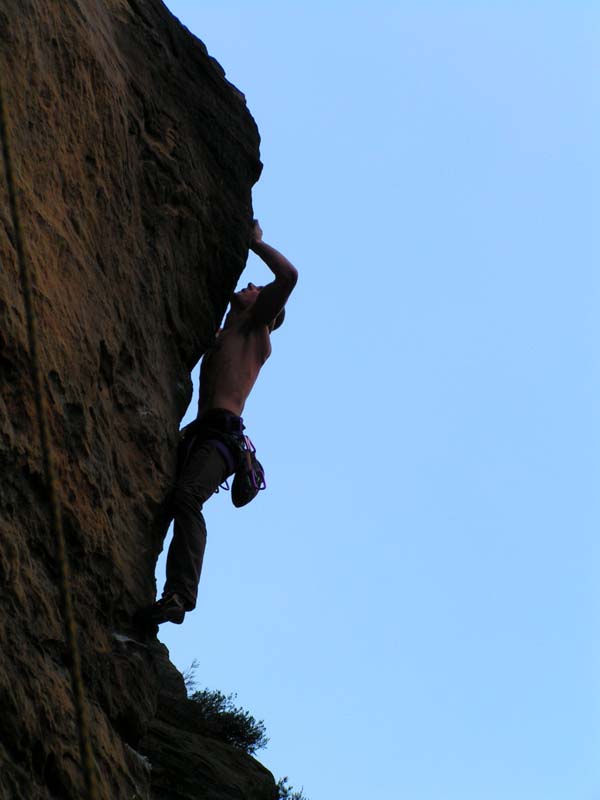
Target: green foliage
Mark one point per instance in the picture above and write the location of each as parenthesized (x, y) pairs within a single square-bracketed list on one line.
[(233, 725), (228, 722), (189, 677), (287, 792)]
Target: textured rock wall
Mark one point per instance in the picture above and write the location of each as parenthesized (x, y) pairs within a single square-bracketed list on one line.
[(134, 160)]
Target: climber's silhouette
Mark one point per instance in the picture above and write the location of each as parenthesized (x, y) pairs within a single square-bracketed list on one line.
[(211, 446)]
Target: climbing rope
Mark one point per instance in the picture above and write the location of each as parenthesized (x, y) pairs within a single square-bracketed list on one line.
[(81, 709)]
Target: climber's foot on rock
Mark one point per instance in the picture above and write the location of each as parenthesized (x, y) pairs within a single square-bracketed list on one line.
[(169, 608)]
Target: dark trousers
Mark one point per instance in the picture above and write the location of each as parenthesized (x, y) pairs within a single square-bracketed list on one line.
[(202, 467)]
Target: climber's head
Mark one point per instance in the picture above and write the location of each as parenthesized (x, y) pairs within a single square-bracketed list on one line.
[(278, 321), (245, 297), (241, 301)]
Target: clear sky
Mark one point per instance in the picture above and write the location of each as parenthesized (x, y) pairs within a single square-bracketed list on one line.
[(412, 606)]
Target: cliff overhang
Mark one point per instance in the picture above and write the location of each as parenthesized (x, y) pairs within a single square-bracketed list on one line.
[(134, 163)]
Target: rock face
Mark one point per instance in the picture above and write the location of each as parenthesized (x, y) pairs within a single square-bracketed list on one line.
[(134, 161)]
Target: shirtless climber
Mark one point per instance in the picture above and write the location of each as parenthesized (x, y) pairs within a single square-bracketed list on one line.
[(208, 452)]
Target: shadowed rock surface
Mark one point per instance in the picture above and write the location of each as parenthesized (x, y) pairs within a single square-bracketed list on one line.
[(134, 161)]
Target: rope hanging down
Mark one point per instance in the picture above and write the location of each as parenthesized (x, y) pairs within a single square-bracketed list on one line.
[(81, 709)]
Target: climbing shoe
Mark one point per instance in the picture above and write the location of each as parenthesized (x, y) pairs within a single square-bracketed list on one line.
[(249, 478), (169, 608)]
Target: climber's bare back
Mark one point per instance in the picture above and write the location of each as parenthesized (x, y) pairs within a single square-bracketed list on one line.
[(231, 367)]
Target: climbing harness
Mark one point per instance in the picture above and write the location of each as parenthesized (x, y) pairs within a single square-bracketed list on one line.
[(81, 709), (225, 431)]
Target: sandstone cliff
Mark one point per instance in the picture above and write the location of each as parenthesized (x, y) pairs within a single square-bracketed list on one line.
[(134, 160)]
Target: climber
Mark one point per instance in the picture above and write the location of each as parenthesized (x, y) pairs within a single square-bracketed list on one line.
[(209, 450)]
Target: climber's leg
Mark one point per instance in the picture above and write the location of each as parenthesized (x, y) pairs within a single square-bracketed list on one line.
[(204, 469)]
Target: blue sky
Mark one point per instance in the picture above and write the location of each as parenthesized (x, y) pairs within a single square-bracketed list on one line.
[(412, 605)]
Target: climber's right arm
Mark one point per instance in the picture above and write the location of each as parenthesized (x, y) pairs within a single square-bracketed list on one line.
[(274, 295)]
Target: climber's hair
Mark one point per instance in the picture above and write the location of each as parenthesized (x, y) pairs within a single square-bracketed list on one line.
[(278, 321)]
